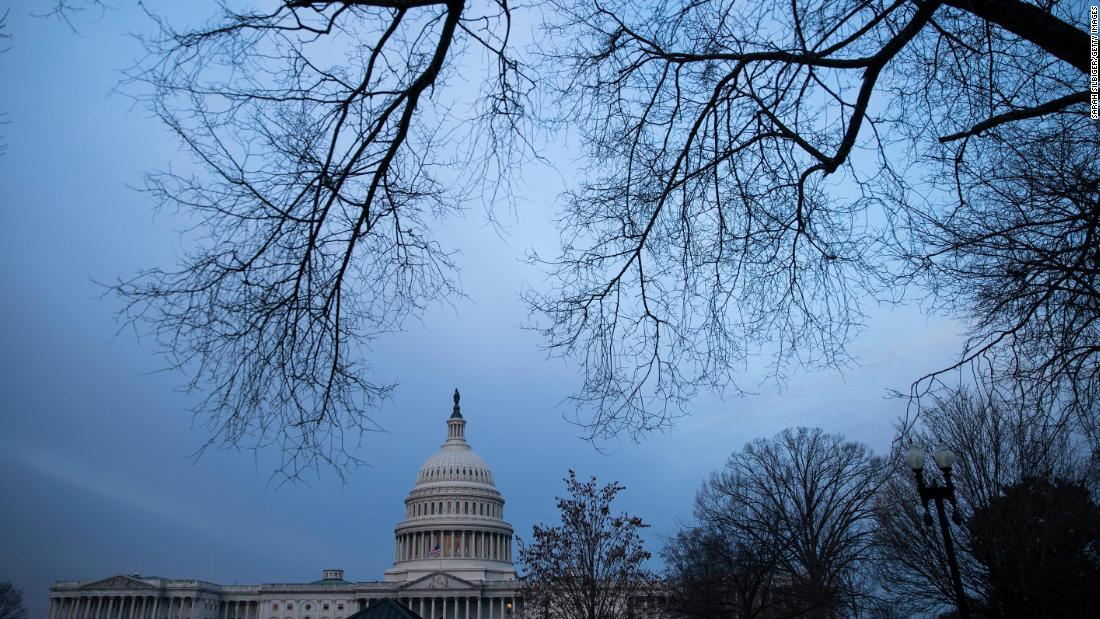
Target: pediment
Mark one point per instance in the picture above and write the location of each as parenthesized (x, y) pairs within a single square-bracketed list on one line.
[(118, 582), (438, 580)]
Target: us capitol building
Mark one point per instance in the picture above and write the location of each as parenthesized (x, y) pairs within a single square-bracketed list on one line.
[(452, 560)]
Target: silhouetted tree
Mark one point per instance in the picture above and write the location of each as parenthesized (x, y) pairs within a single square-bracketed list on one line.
[(759, 171), (716, 571), (793, 515), (998, 444), (592, 565), (1039, 542), (11, 602), (326, 141)]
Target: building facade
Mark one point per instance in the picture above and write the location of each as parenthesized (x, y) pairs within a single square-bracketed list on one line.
[(452, 560)]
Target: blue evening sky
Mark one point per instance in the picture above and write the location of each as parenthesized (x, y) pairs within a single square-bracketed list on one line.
[(95, 474)]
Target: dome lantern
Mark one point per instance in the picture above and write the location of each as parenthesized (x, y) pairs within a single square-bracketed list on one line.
[(456, 425)]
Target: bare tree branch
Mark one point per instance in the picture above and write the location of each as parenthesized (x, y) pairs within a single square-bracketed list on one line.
[(760, 171), (319, 134)]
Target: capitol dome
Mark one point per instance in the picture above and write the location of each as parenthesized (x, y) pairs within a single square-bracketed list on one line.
[(456, 462), (454, 516)]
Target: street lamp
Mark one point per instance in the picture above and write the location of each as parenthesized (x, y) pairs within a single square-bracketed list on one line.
[(945, 459)]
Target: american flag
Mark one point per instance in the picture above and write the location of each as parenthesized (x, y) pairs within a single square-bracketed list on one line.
[(434, 552)]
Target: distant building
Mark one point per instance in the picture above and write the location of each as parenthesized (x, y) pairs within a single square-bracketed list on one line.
[(452, 560)]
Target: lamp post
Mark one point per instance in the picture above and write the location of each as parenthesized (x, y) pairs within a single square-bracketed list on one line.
[(945, 459)]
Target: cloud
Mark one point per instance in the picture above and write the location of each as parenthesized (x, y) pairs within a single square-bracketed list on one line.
[(176, 507)]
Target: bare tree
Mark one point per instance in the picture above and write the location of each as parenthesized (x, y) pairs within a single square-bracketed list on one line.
[(324, 140), (760, 170), (998, 444), (11, 602), (716, 571), (806, 496), (592, 565)]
